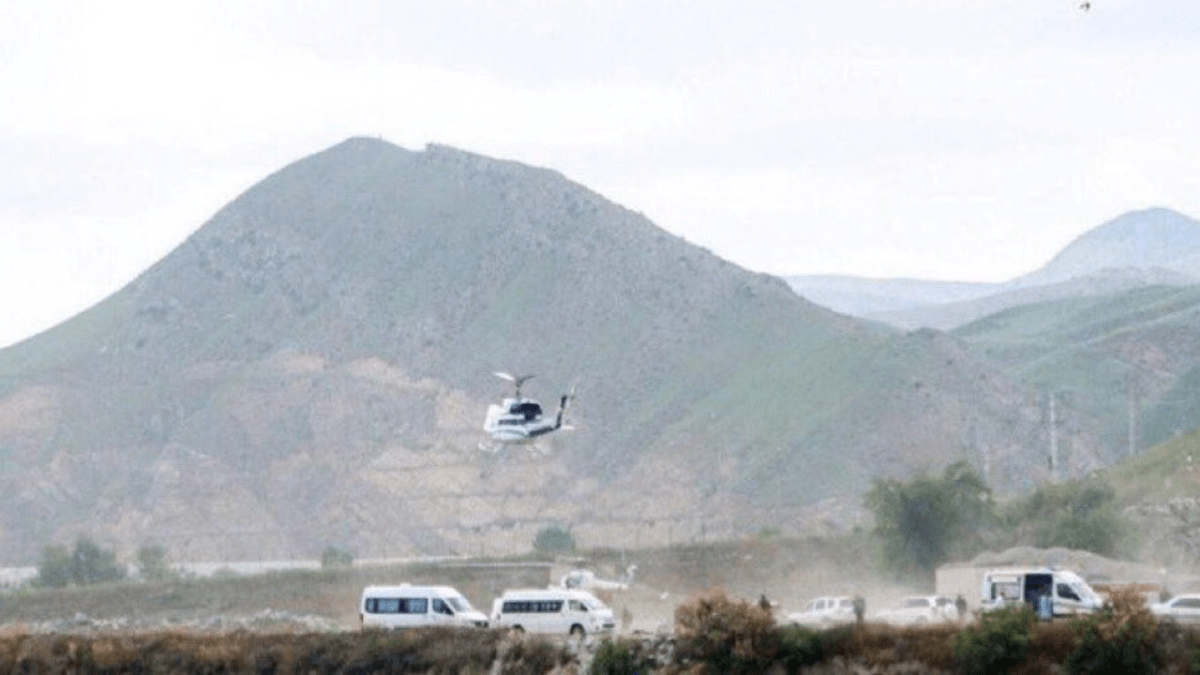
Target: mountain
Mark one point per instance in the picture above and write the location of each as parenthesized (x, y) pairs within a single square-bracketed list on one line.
[(949, 315), (1150, 247), (311, 367), (1150, 239)]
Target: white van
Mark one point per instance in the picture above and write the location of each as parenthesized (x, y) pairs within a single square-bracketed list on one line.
[(1068, 593), (405, 606), (553, 610)]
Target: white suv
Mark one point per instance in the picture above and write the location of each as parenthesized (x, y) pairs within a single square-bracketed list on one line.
[(919, 610), (825, 611), (1181, 608)]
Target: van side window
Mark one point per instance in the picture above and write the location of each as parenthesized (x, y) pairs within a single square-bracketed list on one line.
[(440, 607), (525, 606), (576, 606), (1065, 591), (383, 605), (414, 605)]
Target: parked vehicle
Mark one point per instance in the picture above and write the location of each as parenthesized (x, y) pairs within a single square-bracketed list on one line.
[(1181, 608), (1053, 592), (824, 611), (405, 606), (552, 610), (919, 610)]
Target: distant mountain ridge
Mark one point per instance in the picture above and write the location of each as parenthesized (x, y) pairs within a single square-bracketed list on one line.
[(312, 365), (1155, 246)]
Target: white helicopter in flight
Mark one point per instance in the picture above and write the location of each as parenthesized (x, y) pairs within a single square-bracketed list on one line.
[(518, 419)]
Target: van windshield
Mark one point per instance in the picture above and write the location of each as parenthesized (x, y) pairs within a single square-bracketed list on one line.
[(459, 603)]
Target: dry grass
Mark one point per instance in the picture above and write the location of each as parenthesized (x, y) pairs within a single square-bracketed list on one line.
[(426, 650)]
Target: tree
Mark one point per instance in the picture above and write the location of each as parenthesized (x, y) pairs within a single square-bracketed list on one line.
[(54, 567), (152, 562), (554, 539), (334, 556), (91, 564), (86, 564), (923, 522), (1077, 514)]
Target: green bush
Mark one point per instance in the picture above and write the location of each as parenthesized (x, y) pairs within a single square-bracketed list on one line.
[(152, 563), (998, 642), (799, 647), (334, 556), (617, 657)]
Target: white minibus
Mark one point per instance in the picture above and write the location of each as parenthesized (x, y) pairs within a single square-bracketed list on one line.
[(1056, 592), (552, 610), (405, 606)]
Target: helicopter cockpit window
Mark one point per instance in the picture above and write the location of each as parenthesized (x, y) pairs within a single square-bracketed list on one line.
[(528, 409)]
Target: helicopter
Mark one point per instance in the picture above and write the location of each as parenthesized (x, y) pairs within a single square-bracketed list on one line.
[(518, 419)]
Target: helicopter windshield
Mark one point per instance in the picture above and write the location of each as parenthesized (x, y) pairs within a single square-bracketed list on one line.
[(528, 409)]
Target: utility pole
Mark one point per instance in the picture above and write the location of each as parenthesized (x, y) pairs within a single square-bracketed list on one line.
[(1053, 441), (1132, 393)]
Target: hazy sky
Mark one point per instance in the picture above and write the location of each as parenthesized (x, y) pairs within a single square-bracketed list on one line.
[(942, 139)]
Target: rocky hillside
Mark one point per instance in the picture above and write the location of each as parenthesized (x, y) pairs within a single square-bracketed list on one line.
[(311, 368)]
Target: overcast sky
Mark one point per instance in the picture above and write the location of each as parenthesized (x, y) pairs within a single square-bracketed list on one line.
[(935, 139)]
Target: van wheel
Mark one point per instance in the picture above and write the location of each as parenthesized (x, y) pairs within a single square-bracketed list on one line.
[(577, 631), (517, 630)]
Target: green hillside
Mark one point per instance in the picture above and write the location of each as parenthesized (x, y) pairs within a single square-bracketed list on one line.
[(1103, 355), (318, 356), (1161, 473)]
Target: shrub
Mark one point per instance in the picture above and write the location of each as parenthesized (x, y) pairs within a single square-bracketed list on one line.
[(334, 556), (799, 647), (997, 643), (554, 539), (152, 562), (1119, 640), (731, 636), (617, 657)]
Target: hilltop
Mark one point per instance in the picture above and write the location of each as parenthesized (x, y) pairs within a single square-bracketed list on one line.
[(311, 367)]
